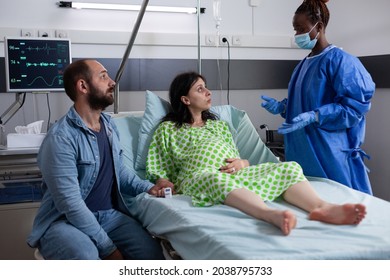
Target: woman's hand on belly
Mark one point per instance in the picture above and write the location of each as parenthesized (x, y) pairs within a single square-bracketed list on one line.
[(233, 165)]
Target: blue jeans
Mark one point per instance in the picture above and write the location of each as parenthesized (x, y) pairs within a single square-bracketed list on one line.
[(62, 241)]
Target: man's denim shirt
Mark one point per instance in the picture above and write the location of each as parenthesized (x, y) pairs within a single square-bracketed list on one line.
[(69, 162)]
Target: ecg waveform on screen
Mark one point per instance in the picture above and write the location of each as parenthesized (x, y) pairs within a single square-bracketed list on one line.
[(40, 78), (41, 64), (37, 64), (46, 49)]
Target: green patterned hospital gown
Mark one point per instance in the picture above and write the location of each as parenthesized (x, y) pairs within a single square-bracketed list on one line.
[(191, 156)]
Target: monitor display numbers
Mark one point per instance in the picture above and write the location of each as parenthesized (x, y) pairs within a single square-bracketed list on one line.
[(36, 64)]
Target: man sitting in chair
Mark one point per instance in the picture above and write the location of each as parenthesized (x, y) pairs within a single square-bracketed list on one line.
[(83, 215)]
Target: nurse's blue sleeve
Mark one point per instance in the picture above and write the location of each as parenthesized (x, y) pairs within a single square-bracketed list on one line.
[(354, 89)]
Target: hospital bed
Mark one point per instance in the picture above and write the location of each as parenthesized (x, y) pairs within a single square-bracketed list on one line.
[(222, 232)]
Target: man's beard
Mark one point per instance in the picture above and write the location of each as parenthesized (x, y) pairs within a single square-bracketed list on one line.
[(99, 101)]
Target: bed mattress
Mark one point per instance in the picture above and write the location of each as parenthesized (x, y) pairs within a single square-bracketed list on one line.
[(221, 232)]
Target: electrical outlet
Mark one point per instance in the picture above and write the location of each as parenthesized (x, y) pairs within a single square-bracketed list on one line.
[(44, 33), (224, 40), (210, 40), (236, 40), (28, 33), (61, 34)]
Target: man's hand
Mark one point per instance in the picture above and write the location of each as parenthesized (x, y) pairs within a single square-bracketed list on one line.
[(161, 184)]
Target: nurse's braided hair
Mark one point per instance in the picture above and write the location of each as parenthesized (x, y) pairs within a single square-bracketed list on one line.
[(315, 10)]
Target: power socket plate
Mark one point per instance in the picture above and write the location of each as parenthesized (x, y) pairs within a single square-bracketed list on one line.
[(28, 32), (45, 33)]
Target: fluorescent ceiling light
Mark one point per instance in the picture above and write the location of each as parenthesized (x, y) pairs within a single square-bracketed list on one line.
[(123, 7)]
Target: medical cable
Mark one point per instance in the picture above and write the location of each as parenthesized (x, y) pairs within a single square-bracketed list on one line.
[(218, 18), (49, 111), (219, 75), (228, 70), (218, 65)]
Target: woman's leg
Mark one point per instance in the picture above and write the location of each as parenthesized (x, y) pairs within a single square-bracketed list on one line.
[(251, 204), (304, 196)]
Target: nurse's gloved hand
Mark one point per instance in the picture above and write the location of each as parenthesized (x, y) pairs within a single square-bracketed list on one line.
[(272, 105), (298, 122)]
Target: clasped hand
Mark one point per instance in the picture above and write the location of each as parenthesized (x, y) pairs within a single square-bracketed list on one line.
[(298, 122), (158, 188)]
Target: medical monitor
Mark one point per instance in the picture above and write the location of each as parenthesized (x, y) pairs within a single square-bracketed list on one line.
[(36, 64)]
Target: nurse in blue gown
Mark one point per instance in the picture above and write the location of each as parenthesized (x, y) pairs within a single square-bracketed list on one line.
[(329, 95)]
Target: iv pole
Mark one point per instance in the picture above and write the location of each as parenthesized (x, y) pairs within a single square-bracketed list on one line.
[(199, 56), (131, 43), (127, 52)]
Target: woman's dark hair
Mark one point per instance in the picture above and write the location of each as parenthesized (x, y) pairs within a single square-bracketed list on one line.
[(180, 86), (75, 71), (315, 10)]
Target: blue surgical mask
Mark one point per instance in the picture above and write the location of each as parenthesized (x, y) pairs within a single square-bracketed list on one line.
[(303, 40)]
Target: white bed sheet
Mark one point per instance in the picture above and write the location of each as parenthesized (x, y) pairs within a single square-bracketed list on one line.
[(222, 232)]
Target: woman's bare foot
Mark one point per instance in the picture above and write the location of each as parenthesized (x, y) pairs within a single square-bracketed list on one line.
[(285, 220), (346, 214)]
